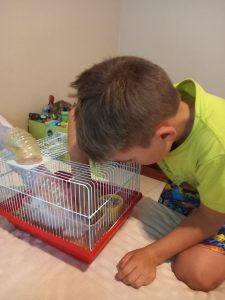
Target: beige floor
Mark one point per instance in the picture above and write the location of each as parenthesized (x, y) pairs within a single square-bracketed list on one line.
[(151, 188)]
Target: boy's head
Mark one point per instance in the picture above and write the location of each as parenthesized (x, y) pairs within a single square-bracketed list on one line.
[(121, 102)]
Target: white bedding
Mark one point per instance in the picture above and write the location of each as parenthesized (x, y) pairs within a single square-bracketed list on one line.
[(31, 269)]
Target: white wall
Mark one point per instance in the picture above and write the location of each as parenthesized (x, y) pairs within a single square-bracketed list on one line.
[(185, 37), (44, 44)]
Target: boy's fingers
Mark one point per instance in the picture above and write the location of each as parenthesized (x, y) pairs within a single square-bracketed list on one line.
[(123, 261), (138, 282), (131, 277), (122, 273), (125, 270)]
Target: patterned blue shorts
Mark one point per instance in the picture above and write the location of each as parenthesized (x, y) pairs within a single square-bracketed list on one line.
[(184, 201)]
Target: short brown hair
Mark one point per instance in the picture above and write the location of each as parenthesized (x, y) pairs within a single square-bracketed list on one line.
[(120, 102)]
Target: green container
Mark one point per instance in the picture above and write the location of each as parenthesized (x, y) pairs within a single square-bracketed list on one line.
[(64, 116), (40, 130)]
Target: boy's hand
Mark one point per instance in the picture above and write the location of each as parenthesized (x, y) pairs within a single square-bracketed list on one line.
[(137, 268)]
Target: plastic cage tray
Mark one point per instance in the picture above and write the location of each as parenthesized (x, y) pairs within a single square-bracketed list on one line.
[(72, 206)]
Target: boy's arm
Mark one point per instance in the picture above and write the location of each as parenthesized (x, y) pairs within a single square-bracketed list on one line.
[(201, 224), (138, 267), (74, 151)]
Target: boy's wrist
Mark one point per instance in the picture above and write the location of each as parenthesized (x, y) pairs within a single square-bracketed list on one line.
[(202, 223), (154, 253)]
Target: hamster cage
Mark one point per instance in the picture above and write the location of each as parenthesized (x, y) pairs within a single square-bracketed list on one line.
[(72, 206)]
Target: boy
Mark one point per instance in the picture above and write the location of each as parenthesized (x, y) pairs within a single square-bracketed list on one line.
[(128, 110)]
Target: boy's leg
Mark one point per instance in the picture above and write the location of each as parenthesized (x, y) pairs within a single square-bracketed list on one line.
[(179, 199), (200, 268)]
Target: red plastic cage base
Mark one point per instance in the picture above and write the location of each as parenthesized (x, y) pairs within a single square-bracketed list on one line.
[(77, 251)]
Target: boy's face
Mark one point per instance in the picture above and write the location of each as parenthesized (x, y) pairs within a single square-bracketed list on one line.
[(159, 147)]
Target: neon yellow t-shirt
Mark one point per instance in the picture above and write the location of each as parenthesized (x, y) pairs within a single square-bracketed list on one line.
[(200, 159)]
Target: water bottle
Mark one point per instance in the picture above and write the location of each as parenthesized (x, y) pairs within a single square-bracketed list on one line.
[(23, 145)]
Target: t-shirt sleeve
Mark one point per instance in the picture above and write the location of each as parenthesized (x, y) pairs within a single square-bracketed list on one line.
[(211, 187)]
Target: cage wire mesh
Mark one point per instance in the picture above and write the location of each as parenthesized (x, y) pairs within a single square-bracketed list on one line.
[(75, 202)]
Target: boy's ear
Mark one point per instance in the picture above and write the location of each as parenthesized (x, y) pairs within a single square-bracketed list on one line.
[(167, 133)]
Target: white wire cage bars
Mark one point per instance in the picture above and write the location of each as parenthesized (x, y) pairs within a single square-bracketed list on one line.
[(77, 203)]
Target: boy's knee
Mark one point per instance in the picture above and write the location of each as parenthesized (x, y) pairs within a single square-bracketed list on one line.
[(195, 278)]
